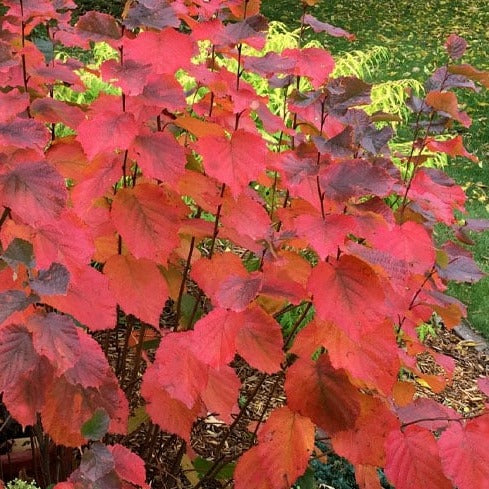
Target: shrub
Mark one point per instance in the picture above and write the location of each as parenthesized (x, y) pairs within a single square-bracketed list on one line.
[(21, 484), (148, 258)]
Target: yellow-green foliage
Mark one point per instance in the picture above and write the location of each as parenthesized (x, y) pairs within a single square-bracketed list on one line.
[(100, 52), (390, 96), (398, 149), (21, 484), (361, 64)]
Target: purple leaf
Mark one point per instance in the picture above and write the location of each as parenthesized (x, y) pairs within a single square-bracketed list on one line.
[(53, 281), (318, 26)]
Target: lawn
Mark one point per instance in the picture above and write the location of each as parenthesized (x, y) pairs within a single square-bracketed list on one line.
[(414, 31)]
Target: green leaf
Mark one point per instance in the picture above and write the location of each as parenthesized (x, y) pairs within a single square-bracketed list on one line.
[(46, 47), (188, 305), (202, 466), (97, 426), (139, 417), (307, 481)]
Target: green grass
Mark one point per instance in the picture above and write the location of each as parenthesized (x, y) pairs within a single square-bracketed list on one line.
[(414, 32)]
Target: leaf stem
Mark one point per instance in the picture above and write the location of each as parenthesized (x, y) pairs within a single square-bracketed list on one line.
[(25, 77), (185, 272), (5, 216), (137, 360), (296, 326)]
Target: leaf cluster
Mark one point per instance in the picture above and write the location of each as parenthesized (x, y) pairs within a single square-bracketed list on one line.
[(149, 253)]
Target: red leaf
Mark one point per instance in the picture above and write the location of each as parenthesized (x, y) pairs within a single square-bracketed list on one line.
[(236, 161), (91, 368), (55, 337), (326, 236), (410, 243), (24, 133), (483, 384), (199, 127), (469, 71), (51, 110), (437, 194), (58, 71), (285, 277), (249, 472), (315, 63), (128, 465), (427, 413), (237, 292), (12, 301), (105, 132), (65, 241), (367, 477), (464, 451), (160, 157), (413, 461), (447, 103), (452, 147), (325, 395), (131, 77), (97, 464), (88, 300), (210, 273), (285, 444), (17, 354), (170, 414), (161, 92), (26, 397), (167, 50), (12, 103), (365, 443), (259, 340), (203, 189), (96, 180), (221, 393), (34, 191), (250, 30), (371, 358), (138, 287), (313, 336), (339, 146), (226, 282), (269, 64), (461, 269), (245, 222), (148, 217), (348, 293), (69, 406), (6, 58), (217, 330), (67, 157), (180, 373), (74, 397)]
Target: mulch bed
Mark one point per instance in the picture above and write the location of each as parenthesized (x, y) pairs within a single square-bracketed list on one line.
[(462, 394)]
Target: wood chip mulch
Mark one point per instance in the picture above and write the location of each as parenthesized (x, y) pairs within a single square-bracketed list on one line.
[(471, 363)]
